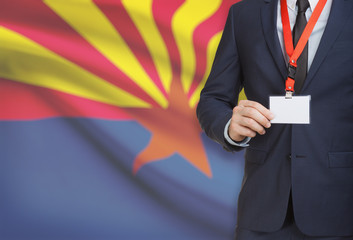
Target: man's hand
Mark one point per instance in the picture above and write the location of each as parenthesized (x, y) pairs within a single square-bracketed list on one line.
[(249, 118)]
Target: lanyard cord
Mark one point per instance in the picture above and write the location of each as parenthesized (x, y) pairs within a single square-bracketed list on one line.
[(288, 40)]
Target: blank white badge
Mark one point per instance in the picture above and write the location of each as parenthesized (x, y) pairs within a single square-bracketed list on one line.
[(295, 110)]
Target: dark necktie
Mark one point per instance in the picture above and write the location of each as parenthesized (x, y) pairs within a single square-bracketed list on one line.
[(302, 62)]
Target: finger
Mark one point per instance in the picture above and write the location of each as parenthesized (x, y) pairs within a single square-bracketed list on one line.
[(254, 114), (252, 124), (239, 132), (259, 107)]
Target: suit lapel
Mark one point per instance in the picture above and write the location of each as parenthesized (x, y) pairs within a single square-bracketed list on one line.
[(340, 11), (269, 26)]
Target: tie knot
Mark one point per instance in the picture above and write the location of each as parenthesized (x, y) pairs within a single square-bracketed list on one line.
[(302, 5)]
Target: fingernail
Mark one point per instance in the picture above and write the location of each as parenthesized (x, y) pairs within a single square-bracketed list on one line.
[(268, 125)]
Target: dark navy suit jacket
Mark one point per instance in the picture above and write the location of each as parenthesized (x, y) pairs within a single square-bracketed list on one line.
[(315, 161)]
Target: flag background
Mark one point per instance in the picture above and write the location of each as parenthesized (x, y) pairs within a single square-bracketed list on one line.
[(98, 134)]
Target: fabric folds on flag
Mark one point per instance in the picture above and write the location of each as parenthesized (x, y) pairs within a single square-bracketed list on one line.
[(98, 133)]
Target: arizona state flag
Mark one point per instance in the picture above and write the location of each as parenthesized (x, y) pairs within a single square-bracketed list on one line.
[(98, 134)]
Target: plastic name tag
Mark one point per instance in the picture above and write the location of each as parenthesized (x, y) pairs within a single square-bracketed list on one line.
[(295, 110)]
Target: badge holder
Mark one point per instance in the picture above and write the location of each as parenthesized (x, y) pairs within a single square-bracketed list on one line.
[(290, 109)]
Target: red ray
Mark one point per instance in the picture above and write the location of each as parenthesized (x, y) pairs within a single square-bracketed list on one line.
[(119, 17), (201, 37), (163, 12), (19, 101)]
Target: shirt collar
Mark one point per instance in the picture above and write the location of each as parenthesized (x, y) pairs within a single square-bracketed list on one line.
[(292, 4)]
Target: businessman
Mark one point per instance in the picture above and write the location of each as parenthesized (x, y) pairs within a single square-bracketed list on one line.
[(298, 178)]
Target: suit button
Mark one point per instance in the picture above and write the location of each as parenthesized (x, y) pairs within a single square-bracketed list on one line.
[(289, 157)]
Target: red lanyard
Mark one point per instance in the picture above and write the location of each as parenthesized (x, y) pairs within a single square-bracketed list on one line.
[(288, 40)]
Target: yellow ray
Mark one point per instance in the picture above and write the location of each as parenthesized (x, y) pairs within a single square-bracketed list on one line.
[(86, 18), (186, 19), (28, 62), (242, 95), (141, 14), (211, 51)]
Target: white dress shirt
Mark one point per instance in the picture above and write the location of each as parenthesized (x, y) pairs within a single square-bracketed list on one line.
[(313, 43)]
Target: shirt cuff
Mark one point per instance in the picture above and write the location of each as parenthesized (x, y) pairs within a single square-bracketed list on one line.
[(243, 143)]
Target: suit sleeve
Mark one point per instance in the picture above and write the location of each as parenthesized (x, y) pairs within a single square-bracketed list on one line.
[(221, 91)]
